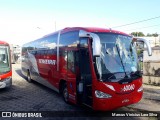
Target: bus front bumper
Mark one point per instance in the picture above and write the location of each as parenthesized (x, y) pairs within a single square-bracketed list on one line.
[(117, 101), (6, 82)]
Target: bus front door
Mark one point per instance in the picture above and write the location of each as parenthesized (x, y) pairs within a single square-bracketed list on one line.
[(84, 78)]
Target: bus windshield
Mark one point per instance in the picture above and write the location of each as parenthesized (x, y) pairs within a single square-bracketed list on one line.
[(118, 58), (4, 59)]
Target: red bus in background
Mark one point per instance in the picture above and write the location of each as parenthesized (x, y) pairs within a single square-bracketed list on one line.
[(92, 66), (5, 65)]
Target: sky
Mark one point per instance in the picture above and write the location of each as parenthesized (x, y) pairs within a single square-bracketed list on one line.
[(22, 21)]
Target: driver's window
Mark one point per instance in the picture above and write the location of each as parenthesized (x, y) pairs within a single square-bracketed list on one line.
[(83, 42)]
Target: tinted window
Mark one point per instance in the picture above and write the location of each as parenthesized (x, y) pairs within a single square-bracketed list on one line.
[(49, 42), (69, 39), (33, 52), (51, 51), (40, 52), (71, 60)]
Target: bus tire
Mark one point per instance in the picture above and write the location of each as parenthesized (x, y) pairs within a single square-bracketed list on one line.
[(29, 79), (65, 93)]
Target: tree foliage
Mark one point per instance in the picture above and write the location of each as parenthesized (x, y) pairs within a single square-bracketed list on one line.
[(141, 34), (138, 34), (152, 35)]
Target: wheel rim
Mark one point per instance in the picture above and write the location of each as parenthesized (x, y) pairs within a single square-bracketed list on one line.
[(65, 94)]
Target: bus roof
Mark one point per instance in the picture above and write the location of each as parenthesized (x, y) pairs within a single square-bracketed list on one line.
[(92, 29), (88, 29), (3, 43)]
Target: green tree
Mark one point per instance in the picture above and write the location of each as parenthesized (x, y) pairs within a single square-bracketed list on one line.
[(149, 35), (155, 35), (138, 34), (152, 35)]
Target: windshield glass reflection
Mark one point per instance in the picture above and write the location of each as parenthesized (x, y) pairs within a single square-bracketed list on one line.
[(118, 56), (4, 59)]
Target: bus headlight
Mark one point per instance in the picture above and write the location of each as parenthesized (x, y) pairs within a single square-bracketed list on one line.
[(100, 94), (140, 89)]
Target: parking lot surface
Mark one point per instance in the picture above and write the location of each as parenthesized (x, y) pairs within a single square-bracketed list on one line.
[(24, 96)]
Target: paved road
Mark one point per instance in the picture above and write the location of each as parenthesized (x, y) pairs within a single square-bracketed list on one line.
[(24, 96), (150, 100)]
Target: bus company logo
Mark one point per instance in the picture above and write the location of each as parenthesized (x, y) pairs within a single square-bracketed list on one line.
[(128, 88), (46, 61)]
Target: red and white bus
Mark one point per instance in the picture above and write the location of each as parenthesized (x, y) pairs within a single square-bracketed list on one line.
[(5, 65), (92, 66)]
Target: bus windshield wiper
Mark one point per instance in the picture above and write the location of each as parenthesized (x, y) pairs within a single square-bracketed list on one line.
[(129, 80), (121, 61), (137, 73), (121, 78), (112, 76)]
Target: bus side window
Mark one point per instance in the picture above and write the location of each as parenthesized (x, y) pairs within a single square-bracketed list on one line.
[(42, 52), (71, 61), (49, 52)]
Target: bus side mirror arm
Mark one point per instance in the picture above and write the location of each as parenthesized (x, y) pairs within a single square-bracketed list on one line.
[(96, 45), (149, 49)]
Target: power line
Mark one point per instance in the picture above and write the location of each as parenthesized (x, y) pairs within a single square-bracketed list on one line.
[(137, 22)]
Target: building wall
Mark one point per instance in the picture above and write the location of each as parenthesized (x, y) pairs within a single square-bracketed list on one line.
[(154, 41), (151, 67), (15, 53)]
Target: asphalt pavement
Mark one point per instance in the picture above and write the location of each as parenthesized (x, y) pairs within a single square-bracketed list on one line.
[(150, 100), (25, 97)]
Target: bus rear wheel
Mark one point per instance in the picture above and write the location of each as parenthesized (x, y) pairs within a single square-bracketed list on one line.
[(29, 77), (65, 93)]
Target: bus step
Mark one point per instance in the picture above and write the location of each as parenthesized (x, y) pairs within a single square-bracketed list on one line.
[(89, 85), (90, 97), (87, 105)]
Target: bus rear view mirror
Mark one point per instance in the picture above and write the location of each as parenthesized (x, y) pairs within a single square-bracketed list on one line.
[(140, 45), (146, 42)]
